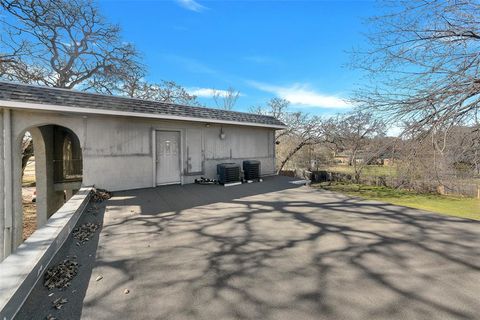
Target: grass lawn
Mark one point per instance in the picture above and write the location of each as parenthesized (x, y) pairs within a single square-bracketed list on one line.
[(449, 205), (371, 170)]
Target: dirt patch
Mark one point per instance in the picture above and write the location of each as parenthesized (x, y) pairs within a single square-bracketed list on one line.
[(29, 218), (29, 207)]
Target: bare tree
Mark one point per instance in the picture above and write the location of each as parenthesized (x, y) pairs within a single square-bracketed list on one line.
[(277, 108), (61, 43), (128, 82), (226, 99), (27, 150), (422, 62), (305, 133), (302, 129), (357, 134), (165, 91), (170, 91)]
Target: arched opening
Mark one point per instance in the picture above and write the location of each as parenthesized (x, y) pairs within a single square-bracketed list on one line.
[(54, 154)]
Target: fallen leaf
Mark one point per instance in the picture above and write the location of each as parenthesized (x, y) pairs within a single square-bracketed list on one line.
[(60, 275), (59, 302)]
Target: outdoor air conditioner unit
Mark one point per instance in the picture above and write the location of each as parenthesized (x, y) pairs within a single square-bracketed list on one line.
[(251, 169), (228, 173)]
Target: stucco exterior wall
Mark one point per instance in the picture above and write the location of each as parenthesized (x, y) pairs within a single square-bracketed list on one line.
[(118, 152)]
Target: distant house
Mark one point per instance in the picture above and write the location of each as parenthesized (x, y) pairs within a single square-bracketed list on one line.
[(344, 158), (118, 143), (341, 158)]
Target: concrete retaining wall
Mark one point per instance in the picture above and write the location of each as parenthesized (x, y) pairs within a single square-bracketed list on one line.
[(22, 269)]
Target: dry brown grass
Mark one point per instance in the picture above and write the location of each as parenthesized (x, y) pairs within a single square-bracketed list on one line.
[(29, 218), (29, 174), (29, 207)]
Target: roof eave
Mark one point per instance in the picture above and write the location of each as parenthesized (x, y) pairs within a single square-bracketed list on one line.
[(59, 108)]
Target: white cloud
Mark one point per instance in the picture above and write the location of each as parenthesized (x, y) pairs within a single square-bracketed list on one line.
[(394, 131), (191, 5), (260, 59), (303, 95), (206, 92)]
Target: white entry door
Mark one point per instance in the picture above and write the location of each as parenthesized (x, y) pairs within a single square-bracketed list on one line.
[(168, 157)]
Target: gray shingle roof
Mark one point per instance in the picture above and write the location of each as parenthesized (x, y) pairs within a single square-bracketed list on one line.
[(70, 98)]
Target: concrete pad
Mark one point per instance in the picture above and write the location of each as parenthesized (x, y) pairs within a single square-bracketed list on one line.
[(273, 251), (276, 250)]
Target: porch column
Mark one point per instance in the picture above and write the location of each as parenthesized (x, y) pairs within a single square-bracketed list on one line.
[(40, 176), (2, 188)]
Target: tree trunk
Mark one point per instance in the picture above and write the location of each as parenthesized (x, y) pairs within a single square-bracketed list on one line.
[(289, 156), (356, 170), (27, 153), (477, 163), (357, 177)]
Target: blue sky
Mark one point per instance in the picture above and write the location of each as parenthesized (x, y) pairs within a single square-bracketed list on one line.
[(290, 49)]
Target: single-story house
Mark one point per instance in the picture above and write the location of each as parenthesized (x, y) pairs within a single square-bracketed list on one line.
[(115, 143)]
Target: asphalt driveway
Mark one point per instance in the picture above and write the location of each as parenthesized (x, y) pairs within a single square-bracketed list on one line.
[(274, 250)]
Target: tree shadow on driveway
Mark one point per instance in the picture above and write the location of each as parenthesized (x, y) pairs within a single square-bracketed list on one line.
[(278, 251)]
